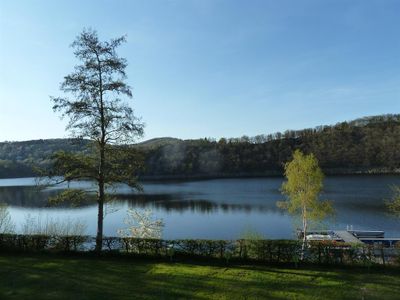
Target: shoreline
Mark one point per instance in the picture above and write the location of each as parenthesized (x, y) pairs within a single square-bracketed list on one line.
[(244, 175)]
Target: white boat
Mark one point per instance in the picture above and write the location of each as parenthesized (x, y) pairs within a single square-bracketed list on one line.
[(319, 237)]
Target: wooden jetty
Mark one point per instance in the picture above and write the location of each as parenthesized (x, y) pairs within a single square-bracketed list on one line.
[(346, 236), (371, 237)]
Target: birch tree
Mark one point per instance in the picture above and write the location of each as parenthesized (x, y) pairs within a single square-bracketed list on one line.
[(393, 205), (302, 189)]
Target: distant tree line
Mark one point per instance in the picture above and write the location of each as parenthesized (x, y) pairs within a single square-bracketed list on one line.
[(363, 145), (21, 159), (359, 146)]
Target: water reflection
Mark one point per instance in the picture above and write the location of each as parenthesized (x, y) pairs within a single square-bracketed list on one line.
[(206, 197), (33, 197), (215, 208), (181, 203)]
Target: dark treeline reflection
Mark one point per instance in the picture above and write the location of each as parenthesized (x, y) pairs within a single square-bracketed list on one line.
[(24, 196), (217, 208), (178, 202), (350, 195), (33, 197)]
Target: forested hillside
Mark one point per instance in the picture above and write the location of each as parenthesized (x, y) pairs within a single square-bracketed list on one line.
[(17, 159), (368, 144)]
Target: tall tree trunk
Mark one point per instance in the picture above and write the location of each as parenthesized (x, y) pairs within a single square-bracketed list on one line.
[(100, 202), (102, 146), (100, 214), (303, 246)]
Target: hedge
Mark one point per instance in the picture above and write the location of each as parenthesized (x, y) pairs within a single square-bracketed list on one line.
[(264, 251)]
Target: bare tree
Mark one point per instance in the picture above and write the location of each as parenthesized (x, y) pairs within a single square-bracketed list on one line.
[(97, 112)]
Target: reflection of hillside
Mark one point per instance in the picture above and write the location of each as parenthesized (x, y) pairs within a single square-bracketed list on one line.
[(22, 196), (31, 197), (177, 202)]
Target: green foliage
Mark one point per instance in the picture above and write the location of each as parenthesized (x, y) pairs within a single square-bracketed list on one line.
[(303, 186), (393, 205), (252, 241), (122, 165), (75, 197), (41, 243), (265, 251), (250, 233)]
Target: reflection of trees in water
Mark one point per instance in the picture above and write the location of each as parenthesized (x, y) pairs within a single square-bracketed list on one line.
[(178, 202), (32, 197), (23, 196)]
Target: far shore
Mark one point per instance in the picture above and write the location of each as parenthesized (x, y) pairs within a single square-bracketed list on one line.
[(268, 174)]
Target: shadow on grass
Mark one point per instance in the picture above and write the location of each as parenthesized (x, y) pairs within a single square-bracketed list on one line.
[(47, 277)]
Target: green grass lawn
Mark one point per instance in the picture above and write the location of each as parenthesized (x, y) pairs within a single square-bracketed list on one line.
[(52, 277)]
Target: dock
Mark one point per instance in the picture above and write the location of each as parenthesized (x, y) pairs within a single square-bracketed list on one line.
[(346, 236), (370, 237)]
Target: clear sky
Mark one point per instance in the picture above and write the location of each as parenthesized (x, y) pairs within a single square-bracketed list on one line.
[(208, 68)]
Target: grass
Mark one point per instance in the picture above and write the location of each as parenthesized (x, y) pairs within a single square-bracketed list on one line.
[(54, 277)]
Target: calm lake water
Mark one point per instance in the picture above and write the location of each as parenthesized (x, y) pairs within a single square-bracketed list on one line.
[(215, 209)]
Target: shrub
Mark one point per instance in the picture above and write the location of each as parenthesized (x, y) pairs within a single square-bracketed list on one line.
[(6, 224), (261, 251)]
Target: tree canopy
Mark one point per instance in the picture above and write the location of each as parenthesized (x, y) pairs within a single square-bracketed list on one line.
[(303, 186), (393, 204)]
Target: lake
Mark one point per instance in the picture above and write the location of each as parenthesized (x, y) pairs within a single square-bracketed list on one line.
[(215, 209)]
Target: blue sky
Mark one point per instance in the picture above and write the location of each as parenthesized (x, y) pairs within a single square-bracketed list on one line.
[(208, 68)]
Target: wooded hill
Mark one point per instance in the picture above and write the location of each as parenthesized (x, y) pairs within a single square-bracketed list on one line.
[(365, 145)]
